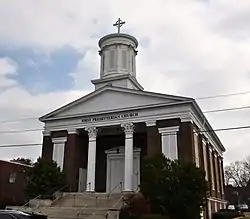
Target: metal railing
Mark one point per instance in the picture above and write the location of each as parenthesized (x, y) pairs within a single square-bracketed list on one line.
[(58, 194), (114, 209), (116, 186), (27, 203)]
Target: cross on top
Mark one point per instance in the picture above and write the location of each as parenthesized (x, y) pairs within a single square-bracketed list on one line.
[(118, 24)]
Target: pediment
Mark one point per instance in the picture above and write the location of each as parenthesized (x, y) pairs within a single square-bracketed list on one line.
[(111, 98)]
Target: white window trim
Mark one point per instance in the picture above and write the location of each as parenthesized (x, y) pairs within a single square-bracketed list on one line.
[(59, 142), (169, 134), (196, 149), (211, 167), (204, 148)]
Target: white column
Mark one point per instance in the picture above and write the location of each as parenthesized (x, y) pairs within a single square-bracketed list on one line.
[(58, 150), (169, 141), (128, 173), (92, 132), (209, 209)]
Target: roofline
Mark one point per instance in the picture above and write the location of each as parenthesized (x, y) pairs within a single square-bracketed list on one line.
[(122, 109), (118, 77), (106, 87), (214, 135), (13, 162), (112, 35)]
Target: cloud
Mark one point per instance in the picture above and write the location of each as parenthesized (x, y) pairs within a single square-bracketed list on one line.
[(7, 68), (191, 48)]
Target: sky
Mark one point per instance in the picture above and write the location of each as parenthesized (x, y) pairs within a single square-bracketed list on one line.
[(194, 48)]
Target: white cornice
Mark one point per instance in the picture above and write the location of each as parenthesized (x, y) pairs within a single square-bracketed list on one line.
[(186, 118), (168, 130), (206, 134), (150, 123), (59, 140), (46, 133), (73, 131), (140, 119)]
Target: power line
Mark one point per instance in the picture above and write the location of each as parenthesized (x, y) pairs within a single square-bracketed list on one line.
[(227, 109), (205, 112), (21, 130), (201, 131), (222, 95), (20, 145), (17, 120), (198, 98)]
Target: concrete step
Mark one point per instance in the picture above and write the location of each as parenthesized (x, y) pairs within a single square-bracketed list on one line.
[(72, 212), (87, 200)]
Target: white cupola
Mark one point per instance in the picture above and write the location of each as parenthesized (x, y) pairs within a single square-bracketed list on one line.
[(118, 60)]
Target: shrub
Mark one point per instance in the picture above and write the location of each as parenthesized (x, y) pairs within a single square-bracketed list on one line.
[(136, 206), (44, 179), (154, 216), (227, 215), (174, 188)]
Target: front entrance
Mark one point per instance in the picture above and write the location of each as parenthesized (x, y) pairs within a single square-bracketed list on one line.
[(115, 169)]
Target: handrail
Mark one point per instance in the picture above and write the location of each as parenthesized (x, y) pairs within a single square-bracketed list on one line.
[(113, 207), (56, 192), (120, 183), (37, 197)]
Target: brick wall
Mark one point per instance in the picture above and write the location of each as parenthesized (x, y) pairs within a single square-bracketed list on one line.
[(12, 183)]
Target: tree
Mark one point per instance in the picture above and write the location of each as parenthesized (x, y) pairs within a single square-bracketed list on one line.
[(174, 188), (22, 160), (237, 173), (44, 179)]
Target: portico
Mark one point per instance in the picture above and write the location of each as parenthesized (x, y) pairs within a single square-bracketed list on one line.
[(110, 159)]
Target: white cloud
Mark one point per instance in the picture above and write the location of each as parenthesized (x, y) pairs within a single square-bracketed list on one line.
[(7, 68), (195, 48)]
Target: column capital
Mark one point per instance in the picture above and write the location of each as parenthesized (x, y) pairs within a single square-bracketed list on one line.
[(73, 131), (92, 131), (46, 133), (151, 123), (128, 128)]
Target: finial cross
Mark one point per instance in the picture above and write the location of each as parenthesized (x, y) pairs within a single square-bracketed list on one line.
[(118, 24)]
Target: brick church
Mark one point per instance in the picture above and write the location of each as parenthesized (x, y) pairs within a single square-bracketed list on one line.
[(99, 139)]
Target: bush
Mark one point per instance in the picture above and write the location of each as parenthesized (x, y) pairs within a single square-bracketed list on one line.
[(227, 214), (136, 206), (44, 179), (174, 188), (154, 216)]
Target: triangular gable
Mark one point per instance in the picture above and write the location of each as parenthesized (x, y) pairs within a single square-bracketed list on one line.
[(111, 98)]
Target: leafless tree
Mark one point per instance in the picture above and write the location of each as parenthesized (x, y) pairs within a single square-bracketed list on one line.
[(237, 173)]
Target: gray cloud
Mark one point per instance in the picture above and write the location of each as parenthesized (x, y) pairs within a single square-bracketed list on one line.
[(190, 48)]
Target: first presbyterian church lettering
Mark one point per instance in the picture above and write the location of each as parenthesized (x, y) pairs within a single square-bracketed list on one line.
[(113, 117)]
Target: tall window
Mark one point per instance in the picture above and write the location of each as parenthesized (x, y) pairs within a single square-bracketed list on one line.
[(112, 59), (103, 61), (124, 59), (217, 174), (205, 158), (212, 169), (196, 149), (132, 64)]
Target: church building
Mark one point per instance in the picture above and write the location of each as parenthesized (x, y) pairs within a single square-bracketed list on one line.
[(99, 139)]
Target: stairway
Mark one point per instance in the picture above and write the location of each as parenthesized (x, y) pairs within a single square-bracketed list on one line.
[(81, 206)]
